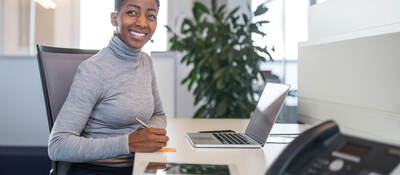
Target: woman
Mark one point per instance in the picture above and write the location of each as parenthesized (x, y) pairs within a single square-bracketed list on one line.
[(96, 127)]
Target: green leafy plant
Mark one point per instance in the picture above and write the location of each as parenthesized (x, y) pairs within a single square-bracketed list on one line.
[(225, 62)]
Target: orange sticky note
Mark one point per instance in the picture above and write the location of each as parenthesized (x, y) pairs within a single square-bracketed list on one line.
[(165, 149)]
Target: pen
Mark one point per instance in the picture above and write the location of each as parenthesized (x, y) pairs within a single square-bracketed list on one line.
[(164, 149), (141, 122)]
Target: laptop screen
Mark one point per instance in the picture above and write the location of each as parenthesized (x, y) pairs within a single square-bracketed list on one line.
[(266, 112)]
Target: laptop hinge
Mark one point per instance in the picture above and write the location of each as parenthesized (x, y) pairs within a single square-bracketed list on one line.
[(254, 138)]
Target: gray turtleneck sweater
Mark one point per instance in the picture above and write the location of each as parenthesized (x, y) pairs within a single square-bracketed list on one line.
[(108, 92)]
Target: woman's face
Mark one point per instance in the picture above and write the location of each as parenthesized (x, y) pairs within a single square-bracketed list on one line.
[(136, 21)]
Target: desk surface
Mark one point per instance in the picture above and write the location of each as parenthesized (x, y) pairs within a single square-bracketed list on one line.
[(240, 161)]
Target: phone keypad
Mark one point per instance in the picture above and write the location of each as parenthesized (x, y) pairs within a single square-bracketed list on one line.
[(324, 166)]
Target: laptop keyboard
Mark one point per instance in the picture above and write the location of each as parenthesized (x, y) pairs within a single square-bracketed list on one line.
[(231, 138)]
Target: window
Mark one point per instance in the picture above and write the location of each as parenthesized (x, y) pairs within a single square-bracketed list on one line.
[(96, 29), (287, 27), (17, 27), (95, 23)]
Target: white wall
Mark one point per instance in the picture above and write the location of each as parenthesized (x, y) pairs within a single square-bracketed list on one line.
[(348, 70), (354, 82), (165, 69), (177, 10), (43, 26), (177, 101), (335, 20), (185, 98), (232, 4), (11, 20), (67, 23), (23, 119)]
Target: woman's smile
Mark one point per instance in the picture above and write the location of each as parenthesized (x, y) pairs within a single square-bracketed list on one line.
[(137, 35)]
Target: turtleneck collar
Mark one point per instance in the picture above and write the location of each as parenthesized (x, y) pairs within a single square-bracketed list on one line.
[(122, 51)]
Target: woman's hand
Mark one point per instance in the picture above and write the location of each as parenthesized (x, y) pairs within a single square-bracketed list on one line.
[(147, 140)]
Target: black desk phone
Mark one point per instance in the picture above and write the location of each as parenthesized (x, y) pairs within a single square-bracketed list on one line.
[(323, 150)]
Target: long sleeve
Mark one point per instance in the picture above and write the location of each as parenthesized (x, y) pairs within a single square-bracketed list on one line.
[(66, 142), (158, 120), (108, 92)]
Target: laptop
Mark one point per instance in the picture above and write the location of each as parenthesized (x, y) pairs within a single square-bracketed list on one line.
[(258, 129)]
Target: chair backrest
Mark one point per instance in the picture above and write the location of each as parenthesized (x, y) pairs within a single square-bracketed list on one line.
[(57, 68)]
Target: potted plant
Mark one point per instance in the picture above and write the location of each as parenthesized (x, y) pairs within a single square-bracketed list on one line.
[(225, 62)]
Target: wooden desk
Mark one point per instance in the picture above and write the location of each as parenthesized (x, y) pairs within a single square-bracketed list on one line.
[(240, 161)]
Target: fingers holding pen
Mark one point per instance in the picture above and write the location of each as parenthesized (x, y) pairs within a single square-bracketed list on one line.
[(147, 140), (159, 135), (159, 138), (158, 131)]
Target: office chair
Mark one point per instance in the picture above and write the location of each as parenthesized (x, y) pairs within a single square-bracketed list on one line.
[(57, 68)]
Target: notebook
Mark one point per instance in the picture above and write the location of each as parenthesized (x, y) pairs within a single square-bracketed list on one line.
[(258, 129)]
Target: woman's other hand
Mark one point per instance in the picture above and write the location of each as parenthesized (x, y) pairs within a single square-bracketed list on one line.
[(147, 140)]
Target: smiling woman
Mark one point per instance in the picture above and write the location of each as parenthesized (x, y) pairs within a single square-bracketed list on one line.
[(96, 127), (136, 21)]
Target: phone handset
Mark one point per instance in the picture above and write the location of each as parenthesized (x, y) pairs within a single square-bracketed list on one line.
[(315, 135)]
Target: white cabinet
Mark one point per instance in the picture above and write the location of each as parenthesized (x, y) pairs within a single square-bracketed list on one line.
[(176, 99)]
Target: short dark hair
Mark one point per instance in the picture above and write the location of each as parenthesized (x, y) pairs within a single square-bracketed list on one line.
[(119, 3)]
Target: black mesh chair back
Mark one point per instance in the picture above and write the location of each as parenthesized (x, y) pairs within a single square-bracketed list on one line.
[(57, 68)]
